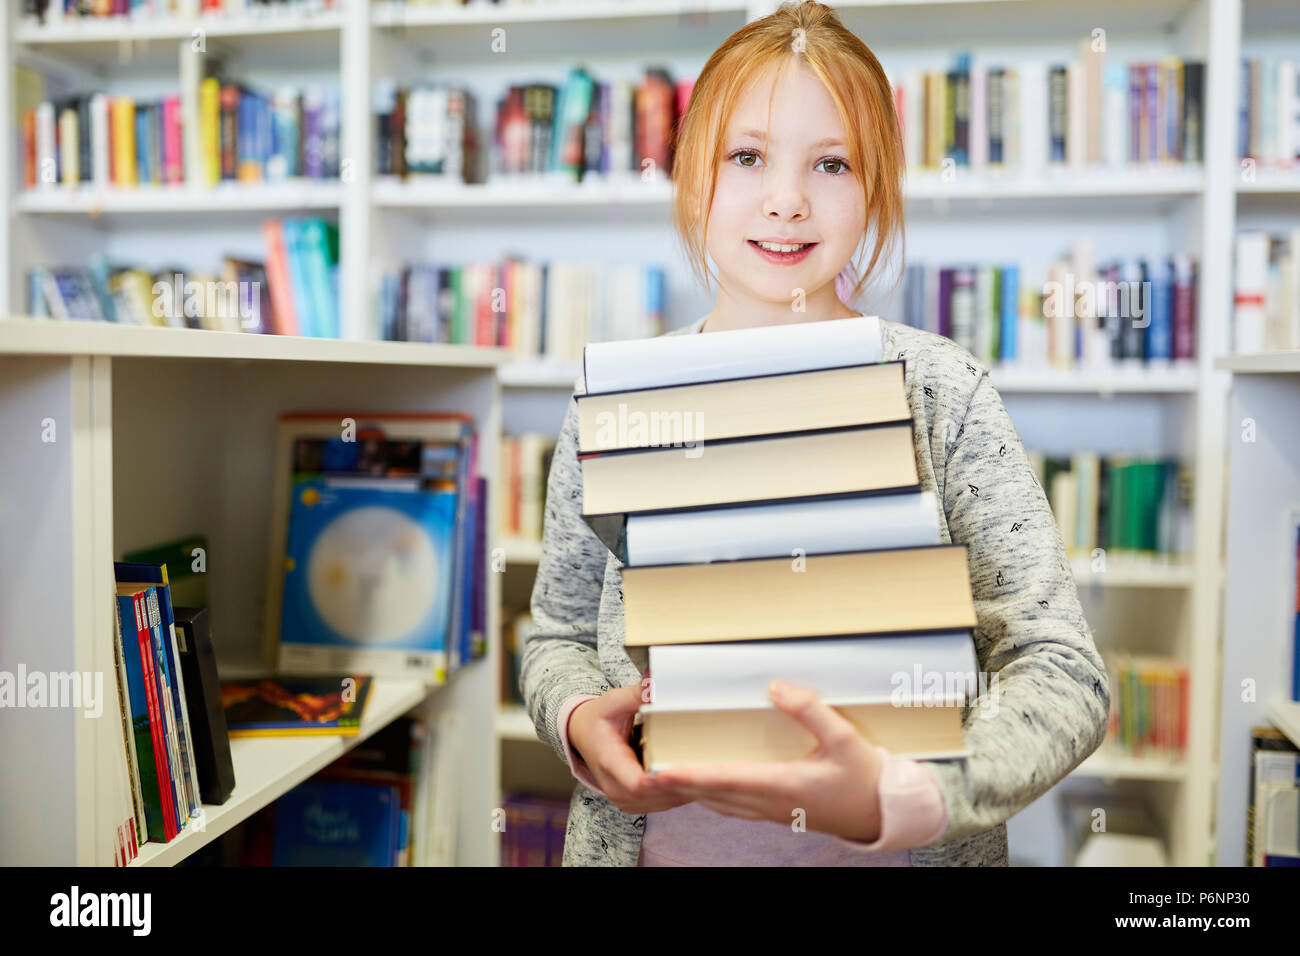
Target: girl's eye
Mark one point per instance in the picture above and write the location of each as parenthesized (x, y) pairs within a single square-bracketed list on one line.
[(841, 164), (744, 152)]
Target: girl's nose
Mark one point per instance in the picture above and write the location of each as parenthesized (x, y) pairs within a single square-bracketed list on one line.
[(784, 196)]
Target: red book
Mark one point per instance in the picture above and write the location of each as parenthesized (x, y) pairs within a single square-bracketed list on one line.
[(283, 318), (1182, 711), (29, 148), (145, 638)]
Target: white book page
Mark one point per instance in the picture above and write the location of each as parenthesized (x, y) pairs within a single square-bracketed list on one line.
[(768, 350), (784, 528), (903, 668)]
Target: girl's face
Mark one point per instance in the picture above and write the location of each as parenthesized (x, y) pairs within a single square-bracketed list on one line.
[(789, 182)]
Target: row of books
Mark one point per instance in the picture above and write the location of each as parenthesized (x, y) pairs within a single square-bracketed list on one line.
[(242, 135), (524, 464), (1266, 295), (1273, 803), (515, 635), (762, 490), (1088, 112), (294, 291), (1268, 116), (1129, 505), (175, 748), (379, 542), (534, 830), (535, 309), (1149, 700), (1130, 310), (56, 11), (584, 126), (388, 801)]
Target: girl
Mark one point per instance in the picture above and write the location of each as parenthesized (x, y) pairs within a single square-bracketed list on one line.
[(791, 137)]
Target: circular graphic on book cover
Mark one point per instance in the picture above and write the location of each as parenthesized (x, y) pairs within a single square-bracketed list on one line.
[(372, 574)]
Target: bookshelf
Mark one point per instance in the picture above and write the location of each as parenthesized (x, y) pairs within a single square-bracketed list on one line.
[(1258, 627), (158, 433), (382, 221)]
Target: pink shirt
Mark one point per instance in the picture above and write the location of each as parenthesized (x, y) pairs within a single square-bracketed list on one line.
[(912, 813)]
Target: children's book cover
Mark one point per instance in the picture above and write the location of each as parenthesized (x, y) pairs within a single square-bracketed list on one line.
[(370, 558), (295, 706)]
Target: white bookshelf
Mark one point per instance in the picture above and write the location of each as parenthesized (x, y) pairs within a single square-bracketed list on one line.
[(160, 433), (1259, 614), (382, 221)]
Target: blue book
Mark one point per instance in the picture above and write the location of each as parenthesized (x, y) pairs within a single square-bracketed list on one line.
[(332, 823), (147, 763), (1160, 333), (127, 572), (309, 319), (1010, 311), (370, 568)]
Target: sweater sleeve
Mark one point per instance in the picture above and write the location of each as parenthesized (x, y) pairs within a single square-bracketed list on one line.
[(1045, 699), (559, 659)]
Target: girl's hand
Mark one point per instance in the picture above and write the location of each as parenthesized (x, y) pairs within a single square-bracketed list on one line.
[(836, 785), (599, 730)]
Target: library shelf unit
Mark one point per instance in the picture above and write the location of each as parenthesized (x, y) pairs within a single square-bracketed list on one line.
[(118, 437), (1259, 609), (1032, 216)]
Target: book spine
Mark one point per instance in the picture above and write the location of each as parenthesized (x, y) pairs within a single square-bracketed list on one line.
[(155, 719)]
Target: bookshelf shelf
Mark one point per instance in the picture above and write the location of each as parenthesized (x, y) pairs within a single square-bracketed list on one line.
[(1173, 378), (268, 767), (522, 551), (1276, 182), (400, 15), (1262, 363), (25, 336), (86, 30), (181, 200), (1135, 573), (1285, 715), (532, 191), (513, 723), (1120, 767), (540, 374)]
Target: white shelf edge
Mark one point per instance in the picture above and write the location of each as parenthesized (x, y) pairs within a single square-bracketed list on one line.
[(1181, 376), (1285, 715), (268, 767), (116, 29), (27, 336), (1119, 767), (153, 198), (400, 15), (521, 550), (513, 723), (539, 374), (1135, 573), (1287, 360)]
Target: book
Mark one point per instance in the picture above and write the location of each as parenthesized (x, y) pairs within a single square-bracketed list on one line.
[(775, 529), (293, 706), (1274, 766), (875, 458), (690, 359), (211, 739), (337, 823), (370, 545), (909, 670), (784, 403), (871, 592), (673, 738)]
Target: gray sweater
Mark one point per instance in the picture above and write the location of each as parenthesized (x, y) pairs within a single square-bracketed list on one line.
[(1052, 701)]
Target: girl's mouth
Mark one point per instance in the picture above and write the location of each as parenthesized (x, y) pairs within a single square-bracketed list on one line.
[(783, 258)]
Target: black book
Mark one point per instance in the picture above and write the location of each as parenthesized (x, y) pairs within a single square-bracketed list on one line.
[(203, 700), (1193, 96)]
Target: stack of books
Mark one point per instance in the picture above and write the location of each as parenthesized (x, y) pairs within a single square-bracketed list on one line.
[(760, 487)]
